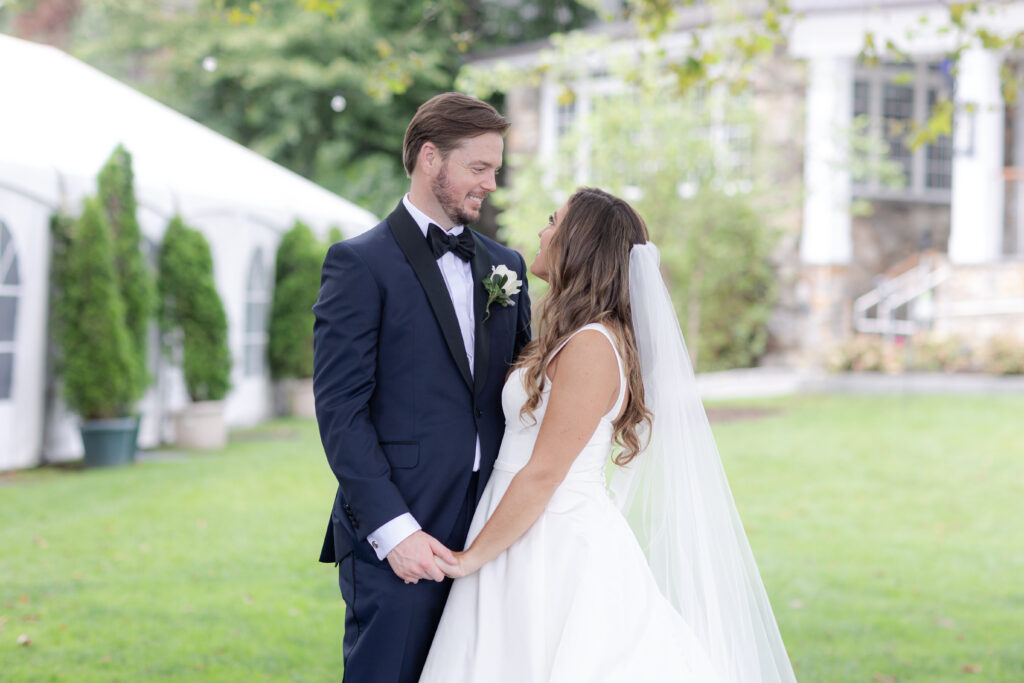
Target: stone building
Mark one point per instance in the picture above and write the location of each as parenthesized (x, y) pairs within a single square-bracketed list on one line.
[(943, 251)]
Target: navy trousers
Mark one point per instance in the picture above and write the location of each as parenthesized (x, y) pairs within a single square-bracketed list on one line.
[(390, 624)]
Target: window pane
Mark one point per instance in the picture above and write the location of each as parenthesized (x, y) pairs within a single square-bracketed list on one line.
[(5, 238), (6, 374), (254, 354), (940, 164), (257, 281), (939, 155), (860, 98), (564, 119), (256, 309), (8, 313), (862, 108), (12, 272), (255, 316), (897, 112)]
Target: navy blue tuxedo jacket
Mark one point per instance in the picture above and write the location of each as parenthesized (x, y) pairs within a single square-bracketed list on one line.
[(398, 408)]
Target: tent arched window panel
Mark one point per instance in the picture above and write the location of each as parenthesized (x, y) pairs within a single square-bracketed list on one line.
[(151, 253), (10, 292), (257, 313)]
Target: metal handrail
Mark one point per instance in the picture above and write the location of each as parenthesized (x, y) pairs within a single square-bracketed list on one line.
[(896, 292)]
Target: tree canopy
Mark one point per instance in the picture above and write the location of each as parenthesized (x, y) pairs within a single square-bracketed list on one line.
[(326, 87), (323, 87)]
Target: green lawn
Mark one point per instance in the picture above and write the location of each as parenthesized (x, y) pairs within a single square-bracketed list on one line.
[(889, 533)]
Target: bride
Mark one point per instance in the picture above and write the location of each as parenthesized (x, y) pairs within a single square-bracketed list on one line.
[(565, 579)]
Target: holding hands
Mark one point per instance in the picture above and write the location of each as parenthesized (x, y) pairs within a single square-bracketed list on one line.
[(414, 558), (463, 565), (421, 556)]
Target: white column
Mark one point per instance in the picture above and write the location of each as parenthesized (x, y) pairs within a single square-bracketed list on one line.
[(826, 222), (976, 229), (547, 145), (1017, 160)]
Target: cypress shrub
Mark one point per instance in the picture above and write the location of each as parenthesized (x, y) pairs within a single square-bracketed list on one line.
[(98, 362), (296, 285), (117, 196), (62, 226), (190, 306)]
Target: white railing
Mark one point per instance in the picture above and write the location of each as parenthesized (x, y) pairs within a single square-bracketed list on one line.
[(902, 305)]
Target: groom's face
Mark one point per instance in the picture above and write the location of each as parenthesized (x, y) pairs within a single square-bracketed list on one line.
[(467, 176)]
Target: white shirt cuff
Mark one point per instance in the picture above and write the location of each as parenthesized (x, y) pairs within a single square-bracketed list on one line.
[(385, 538)]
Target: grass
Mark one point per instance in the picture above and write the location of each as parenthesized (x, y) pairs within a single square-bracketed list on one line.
[(198, 568), (888, 532)]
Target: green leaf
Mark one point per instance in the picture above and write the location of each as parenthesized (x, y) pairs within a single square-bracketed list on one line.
[(959, 11), (989, 40)]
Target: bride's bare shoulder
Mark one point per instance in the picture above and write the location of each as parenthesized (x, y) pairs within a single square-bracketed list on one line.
[(588, 355)]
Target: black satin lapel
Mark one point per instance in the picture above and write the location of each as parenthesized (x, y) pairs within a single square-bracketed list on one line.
[(481, 267), (416, 250)]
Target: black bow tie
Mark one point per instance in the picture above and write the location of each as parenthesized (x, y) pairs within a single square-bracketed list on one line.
[(441, 243)]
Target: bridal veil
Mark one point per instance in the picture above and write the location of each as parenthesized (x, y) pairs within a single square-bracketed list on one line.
[(677, 499)]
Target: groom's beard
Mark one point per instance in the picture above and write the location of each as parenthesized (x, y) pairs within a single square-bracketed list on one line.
[(452, 206)]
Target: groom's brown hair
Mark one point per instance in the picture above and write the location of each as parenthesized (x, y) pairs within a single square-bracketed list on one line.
[(446, 120)]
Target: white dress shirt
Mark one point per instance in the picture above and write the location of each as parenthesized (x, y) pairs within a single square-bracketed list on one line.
[(458, 277)]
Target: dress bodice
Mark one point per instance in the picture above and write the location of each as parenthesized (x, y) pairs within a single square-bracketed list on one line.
[(521, 431)]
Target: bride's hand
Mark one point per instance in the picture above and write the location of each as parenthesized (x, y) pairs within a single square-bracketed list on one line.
[(463, 566)]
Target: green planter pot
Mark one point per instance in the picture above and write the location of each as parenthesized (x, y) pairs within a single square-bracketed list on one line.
[(110, 443)]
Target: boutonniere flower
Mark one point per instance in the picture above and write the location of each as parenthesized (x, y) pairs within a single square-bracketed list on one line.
[(501, 285)]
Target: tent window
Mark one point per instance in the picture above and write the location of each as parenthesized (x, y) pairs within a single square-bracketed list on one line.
[(257, 307), (10, 290)]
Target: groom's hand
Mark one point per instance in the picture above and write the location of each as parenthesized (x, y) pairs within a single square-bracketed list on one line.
[(413, 558)]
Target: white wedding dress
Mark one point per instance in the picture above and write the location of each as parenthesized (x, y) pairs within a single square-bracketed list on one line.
[(573, 600)]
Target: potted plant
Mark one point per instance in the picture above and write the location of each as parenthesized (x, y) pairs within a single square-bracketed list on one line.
[(100, 378), (296, 284), (116, 193), (192, 317)]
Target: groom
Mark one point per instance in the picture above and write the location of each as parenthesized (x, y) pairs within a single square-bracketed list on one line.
[(409, 362)]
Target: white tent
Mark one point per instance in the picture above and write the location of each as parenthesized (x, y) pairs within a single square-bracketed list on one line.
[(59, 121)]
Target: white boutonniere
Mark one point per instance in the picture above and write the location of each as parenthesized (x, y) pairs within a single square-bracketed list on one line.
[(501, 285)]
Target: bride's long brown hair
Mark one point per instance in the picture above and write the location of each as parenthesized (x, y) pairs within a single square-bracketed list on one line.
[(588, 282)]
